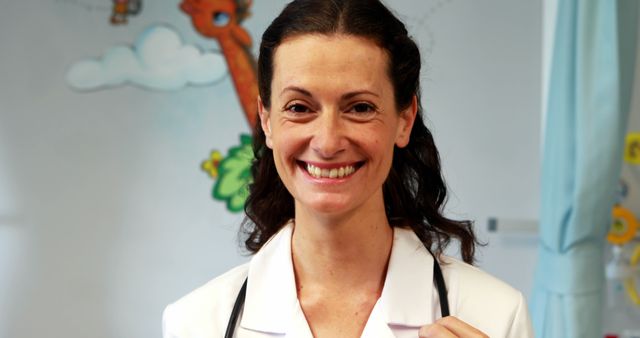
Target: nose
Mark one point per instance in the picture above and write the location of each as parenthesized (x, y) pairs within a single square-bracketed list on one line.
[(328, 135)]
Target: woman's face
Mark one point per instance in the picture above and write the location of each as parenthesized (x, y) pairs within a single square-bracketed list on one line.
[(333, 123)]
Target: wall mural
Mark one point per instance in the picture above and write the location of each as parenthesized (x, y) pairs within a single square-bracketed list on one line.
[(159, 59), (232, 173), (234, 41)]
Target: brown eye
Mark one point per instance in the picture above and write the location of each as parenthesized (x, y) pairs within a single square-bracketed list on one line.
[(298, 109), (363, 108)]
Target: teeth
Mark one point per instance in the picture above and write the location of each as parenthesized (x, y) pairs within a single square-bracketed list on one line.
[(330, 173)]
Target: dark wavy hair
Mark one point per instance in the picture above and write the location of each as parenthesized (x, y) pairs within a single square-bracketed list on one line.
[(414, 192)]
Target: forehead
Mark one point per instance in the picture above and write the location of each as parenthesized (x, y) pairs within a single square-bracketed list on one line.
[(330, 60)]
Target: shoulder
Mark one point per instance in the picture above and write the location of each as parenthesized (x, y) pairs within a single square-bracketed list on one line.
[(204, 312), (483, 300), (469, 281)]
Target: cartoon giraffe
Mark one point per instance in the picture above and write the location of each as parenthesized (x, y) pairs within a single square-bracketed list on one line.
[(220, 20)]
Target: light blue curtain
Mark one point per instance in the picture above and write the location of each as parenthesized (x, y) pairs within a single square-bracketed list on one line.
[(586, 120)]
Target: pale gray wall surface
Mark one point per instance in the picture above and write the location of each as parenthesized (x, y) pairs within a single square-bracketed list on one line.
[(105, 216)]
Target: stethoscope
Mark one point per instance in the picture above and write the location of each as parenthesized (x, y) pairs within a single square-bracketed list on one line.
[(437, 279)]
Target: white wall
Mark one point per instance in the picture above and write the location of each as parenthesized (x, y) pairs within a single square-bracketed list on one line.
[(113, 218), (482, 94)]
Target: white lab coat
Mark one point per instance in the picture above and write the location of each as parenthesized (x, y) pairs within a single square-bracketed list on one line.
[(408, 301)]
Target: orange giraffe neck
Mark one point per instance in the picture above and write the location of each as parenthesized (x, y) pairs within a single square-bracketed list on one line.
[(243, 73), (235, 43)]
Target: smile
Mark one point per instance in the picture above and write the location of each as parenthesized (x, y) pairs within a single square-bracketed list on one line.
[(337, 172)]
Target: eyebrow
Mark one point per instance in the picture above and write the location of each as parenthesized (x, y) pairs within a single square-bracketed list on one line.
[(356, 93), (296, 89), (343, 97)]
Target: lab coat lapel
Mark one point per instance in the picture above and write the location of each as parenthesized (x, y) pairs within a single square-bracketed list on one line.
[(271, 290), (406, 302), (377, 326), (299, 325), (407, 299)]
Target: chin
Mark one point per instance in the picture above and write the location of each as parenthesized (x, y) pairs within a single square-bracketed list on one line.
[(327, 206), (331, 209)]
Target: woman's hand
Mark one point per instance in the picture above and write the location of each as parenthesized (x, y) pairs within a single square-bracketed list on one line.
[(450, 327)]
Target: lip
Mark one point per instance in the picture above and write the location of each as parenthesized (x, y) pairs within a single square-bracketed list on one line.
[(325, 165)]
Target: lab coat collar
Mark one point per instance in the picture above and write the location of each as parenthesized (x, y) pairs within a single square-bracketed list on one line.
[(271, 289), (406, 298)]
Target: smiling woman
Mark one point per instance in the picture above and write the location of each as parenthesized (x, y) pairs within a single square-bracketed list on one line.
[(330, 114), (345, 211)]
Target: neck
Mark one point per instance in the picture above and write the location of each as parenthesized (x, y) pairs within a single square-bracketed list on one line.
[(348, 252)]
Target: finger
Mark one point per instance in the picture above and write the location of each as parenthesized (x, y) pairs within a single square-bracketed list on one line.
[(460, 328), (435, 331)]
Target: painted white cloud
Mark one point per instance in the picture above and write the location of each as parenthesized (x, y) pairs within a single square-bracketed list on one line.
[(158, 60)]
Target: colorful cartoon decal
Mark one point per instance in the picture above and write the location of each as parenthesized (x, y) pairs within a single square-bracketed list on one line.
[(124, 8), (624, 226), (158, 60), (632, 148), (220, 20), (211, 165), (233, 174)]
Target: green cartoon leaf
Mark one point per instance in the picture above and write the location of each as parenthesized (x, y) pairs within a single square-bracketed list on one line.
[(234, 175)]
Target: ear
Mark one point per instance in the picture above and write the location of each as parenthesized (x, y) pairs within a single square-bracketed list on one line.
[(407, 117), (265, 123)]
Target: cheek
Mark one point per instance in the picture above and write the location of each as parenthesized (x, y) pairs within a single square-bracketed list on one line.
[(284, 148), (384, 147), (290, 140), (280, 165), (378, 140), (379, 148)]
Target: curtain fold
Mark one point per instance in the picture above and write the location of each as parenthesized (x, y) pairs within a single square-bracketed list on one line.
[(582, 155)]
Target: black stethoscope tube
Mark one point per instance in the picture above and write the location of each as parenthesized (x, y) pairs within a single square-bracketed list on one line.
[(437, 278)]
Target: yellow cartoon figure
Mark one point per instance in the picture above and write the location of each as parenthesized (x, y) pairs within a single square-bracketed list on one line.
[(632, 148), (211, 165), (624, 226)]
